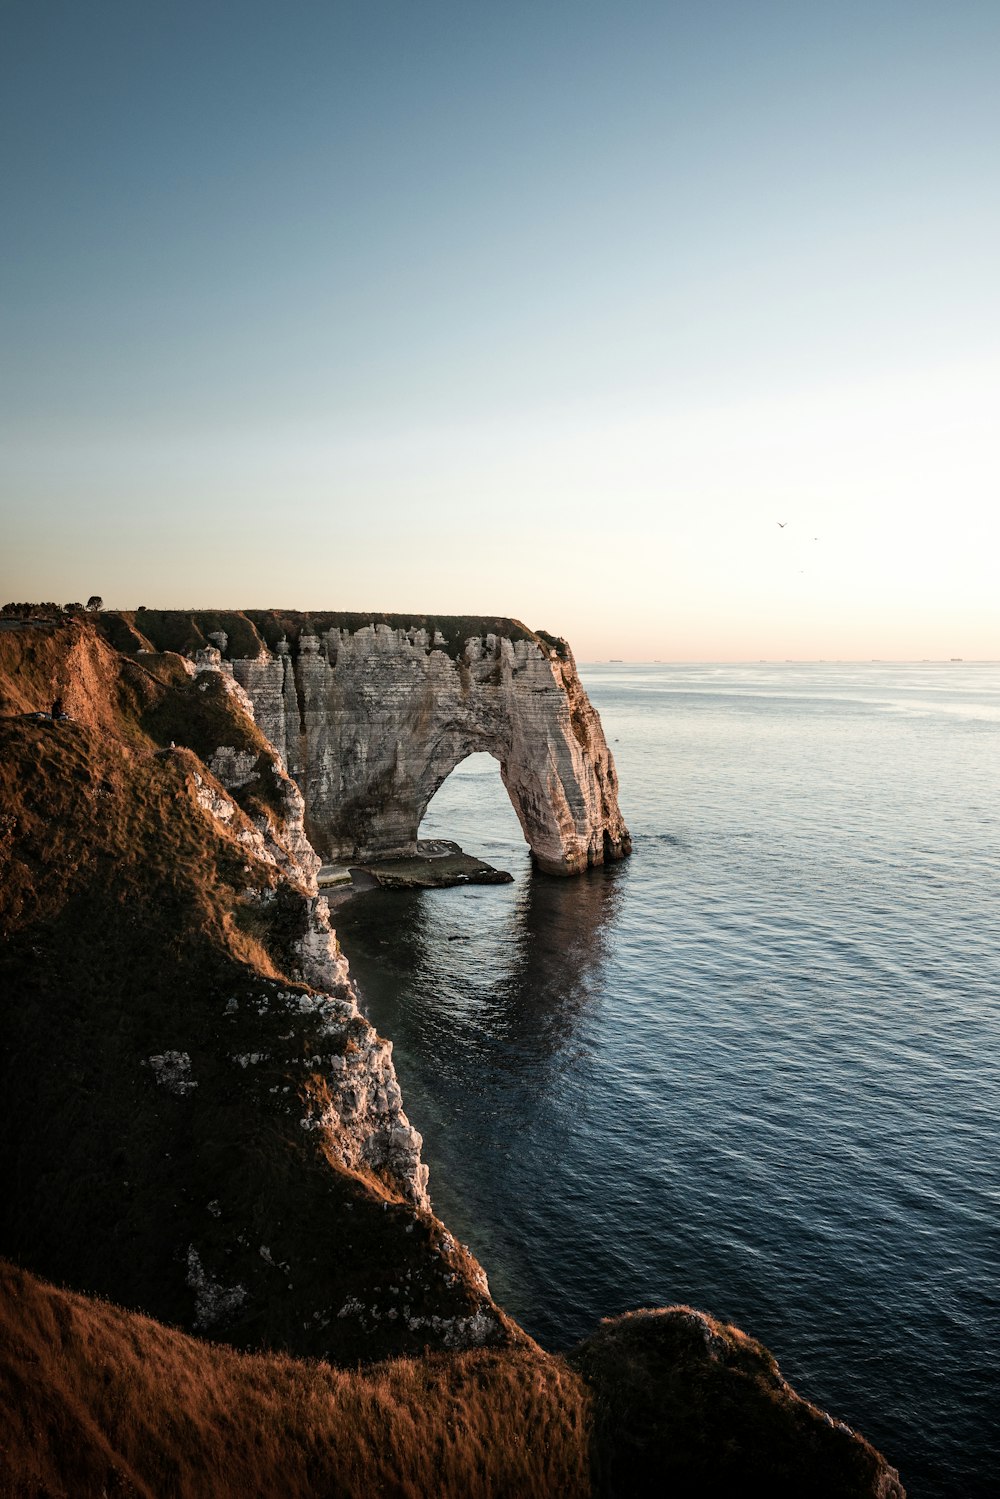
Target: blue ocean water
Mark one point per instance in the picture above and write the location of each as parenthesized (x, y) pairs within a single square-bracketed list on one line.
[(754, 1068)]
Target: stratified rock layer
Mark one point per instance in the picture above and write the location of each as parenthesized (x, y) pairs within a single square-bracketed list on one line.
[(371, 722)]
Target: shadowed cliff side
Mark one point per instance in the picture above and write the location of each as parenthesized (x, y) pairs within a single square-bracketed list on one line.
[(372, 713), (194, 1117), (688, 1406)]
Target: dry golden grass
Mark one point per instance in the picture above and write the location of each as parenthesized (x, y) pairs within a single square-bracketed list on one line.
[(96, 1400)]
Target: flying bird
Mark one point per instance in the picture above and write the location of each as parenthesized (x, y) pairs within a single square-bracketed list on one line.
[(782, 524)]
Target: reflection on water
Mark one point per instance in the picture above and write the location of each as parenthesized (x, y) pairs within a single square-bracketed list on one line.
[(503, 971), (481, 990)]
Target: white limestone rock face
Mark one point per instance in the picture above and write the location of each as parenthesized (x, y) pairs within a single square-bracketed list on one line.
[(354, 1099), (321, 961), (172, 1070), (214, 1302), (370, 723), (284, 834), (357, 1108), (233, 767)]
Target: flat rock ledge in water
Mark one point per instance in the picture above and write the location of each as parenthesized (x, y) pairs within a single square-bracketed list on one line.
[(437, 864)]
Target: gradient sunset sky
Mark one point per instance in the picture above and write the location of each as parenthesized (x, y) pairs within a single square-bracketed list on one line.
[(550, 309)]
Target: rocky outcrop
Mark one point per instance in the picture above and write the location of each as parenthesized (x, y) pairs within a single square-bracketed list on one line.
[(371, 721), (352, 1098), (687, 1405)]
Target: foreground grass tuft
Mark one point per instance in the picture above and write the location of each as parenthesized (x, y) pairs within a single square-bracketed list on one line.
[(95, 1400)]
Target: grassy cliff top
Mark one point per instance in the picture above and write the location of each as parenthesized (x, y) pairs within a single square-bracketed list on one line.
[(96, 1400), (250, 630)]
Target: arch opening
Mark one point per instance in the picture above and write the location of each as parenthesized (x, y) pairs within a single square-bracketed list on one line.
[(472, 808)]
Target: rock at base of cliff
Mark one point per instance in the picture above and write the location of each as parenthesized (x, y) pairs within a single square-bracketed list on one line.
[(437, 864), (689, 1406)]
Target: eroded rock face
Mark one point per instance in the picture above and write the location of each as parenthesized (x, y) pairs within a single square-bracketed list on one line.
[(352, 1095), (371, 722)]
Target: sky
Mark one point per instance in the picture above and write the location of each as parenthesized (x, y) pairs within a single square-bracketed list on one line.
[(553, 310)]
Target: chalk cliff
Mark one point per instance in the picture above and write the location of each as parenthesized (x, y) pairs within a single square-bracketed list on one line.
[(371, 716)]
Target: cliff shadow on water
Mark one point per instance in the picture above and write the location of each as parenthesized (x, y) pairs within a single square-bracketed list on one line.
[(486, 994), (501, 972), (506, 971)]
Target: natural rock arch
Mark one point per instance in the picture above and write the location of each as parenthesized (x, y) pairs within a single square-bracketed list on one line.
[(371, 721), (371, 713), (489, 770)]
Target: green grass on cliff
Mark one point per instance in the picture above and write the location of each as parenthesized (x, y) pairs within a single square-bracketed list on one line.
[(189, 630), (455, 628), (185, 631)]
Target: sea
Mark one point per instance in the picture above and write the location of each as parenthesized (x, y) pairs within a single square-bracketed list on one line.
[(755, 1068)]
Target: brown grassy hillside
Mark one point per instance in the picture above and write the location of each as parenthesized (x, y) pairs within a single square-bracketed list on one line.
[(95, 1401), (98, 1401)]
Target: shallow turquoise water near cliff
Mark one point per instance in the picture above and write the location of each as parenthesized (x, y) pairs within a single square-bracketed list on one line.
[(756, 1067)]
